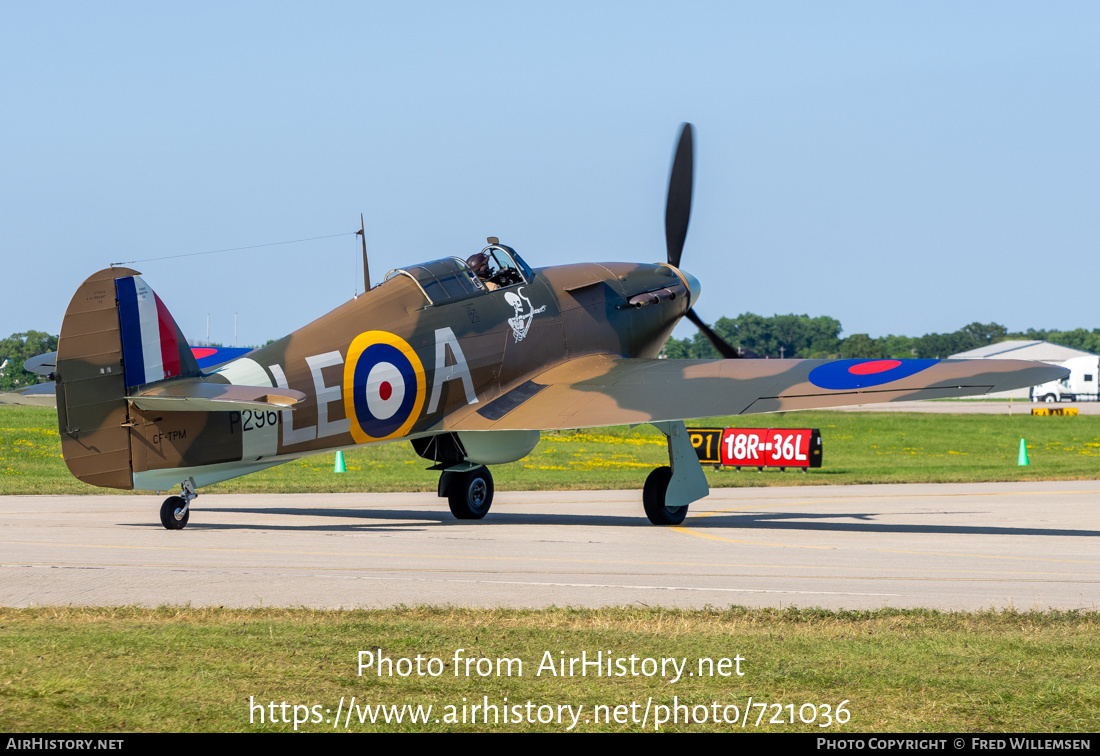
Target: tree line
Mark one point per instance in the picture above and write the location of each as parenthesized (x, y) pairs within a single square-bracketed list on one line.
[(17, 349), (805, 337)]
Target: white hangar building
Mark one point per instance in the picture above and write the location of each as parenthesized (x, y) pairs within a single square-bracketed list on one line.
[(1040, 351)]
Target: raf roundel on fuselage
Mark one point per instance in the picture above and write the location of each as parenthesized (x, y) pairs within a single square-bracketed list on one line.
[(384, 386)]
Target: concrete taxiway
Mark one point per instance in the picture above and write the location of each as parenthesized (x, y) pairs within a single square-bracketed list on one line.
[(947, 546)]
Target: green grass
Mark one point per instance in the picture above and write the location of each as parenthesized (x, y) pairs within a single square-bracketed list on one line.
[(183, 669), (859, 447)]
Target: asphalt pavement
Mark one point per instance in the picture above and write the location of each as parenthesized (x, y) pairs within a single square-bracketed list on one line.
[(1032, 545)]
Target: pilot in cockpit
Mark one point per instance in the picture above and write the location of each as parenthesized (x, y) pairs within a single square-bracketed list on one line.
[(479, 264)]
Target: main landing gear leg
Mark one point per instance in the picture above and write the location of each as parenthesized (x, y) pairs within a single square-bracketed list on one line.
[(669, 490), (175, 510), (469, 492)]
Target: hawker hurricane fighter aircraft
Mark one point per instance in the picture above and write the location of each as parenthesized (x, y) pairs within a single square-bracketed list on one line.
[(467, 359)]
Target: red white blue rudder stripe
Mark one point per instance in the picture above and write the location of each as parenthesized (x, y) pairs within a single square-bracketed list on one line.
[(153, 347)]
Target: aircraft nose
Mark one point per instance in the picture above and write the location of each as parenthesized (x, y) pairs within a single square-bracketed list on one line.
[(693, 286)]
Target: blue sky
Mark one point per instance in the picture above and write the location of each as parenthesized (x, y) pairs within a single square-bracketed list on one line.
[(903, 167)]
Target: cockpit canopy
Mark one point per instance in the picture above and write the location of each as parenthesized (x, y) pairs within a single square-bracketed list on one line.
[(450, 279)]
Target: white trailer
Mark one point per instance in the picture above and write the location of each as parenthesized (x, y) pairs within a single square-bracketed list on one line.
[(1079, 386)]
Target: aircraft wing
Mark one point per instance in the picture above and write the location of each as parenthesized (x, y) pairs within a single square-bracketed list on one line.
[(37, 395), (598, 390)]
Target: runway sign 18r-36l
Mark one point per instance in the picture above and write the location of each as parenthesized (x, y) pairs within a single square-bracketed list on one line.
[(757, 447)]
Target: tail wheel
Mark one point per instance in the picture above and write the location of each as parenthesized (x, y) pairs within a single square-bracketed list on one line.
[(470, 494), (172, 513), (653, 498)]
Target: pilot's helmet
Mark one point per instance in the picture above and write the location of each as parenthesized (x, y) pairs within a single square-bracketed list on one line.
[(479, 264)]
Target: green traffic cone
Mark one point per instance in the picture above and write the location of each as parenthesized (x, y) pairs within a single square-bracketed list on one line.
[(339, 462), (1023, 455)]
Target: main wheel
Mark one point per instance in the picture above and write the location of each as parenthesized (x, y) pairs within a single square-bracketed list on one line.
[(1050, 399), (653, 498), (172, 515), (470, 494)]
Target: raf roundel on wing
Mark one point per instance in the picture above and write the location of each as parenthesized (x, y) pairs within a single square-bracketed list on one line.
[(845, 375)]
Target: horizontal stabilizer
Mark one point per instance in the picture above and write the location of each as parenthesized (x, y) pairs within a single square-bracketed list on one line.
[(195, 395), (41, 364)]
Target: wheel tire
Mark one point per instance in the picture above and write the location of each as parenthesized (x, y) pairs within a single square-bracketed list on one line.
[(1050, 399), (470, 494), (653, 499), (168, 516)]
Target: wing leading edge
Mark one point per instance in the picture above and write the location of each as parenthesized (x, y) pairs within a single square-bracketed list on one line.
[(598, 390)]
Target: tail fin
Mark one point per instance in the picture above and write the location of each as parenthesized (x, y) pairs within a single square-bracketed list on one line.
[(116, 334)]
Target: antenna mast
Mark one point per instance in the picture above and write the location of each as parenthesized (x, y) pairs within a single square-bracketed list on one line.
[(362, 232)]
